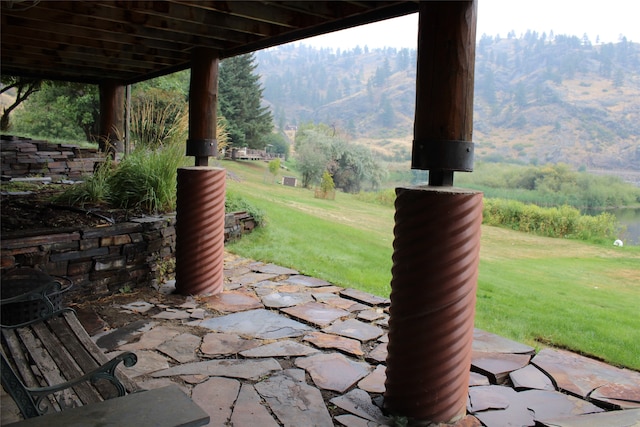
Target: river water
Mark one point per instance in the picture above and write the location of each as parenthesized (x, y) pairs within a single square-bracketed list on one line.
[(629, 219)]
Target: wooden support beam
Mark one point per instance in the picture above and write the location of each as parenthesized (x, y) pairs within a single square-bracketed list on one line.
[(111, 117), (203, 104), (443, 126)]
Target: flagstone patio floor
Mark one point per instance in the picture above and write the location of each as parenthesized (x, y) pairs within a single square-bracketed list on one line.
[(278, 348)]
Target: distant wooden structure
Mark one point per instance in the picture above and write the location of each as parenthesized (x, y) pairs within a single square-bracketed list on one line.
[(290, 181)]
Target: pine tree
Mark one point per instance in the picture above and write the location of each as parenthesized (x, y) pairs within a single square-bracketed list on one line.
[(240, 95)]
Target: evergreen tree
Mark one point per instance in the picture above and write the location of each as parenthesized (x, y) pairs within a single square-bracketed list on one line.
[(240, 96)]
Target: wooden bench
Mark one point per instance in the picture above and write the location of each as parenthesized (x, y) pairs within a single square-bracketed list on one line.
[(50, 363)]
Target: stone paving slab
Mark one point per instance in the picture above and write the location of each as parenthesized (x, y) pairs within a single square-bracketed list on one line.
[(251, 278), (295, 403), (358, 402), (217, 396), (284, 348), (498, 366), (285, 299), (222, 344), (379, 353), (151, 339), (581, 376), (248, 410), (352, 328), (181, 348), (487, 342), (282, 365), (347, 345), (365, 297), (332, 371), (628, 418), (310, 282), (318, 314), (342, 303), (148, 362), (233, 368), (232, 302), (496, 405), (374, 382), (259, 323), (275, 269), (531, 377)]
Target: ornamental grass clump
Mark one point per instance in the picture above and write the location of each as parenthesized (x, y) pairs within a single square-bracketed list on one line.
[(146, 179), (93, 190)]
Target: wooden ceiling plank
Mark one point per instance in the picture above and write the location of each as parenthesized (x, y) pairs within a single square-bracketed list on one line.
[(203, 23), (88, 73), (118, 20), (88, 41), (12, 41), (10, 24), (255, 11)]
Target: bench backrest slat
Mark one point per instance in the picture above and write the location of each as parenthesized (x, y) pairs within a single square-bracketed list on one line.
[(46, 368), (95, 351), (46, 354), (15, 353), (64, 360)]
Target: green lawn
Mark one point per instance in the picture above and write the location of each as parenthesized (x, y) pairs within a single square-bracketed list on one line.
[(536, 290)]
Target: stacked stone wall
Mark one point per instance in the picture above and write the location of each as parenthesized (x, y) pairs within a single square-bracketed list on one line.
[(101, 260), (22, 157), (105, 260)]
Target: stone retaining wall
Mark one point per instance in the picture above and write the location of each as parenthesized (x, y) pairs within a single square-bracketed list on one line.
[(26, 157), (105, 260), (99, 260)]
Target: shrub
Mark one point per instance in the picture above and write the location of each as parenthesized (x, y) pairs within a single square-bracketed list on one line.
[(236, 203), (564, 221), (383, 197)]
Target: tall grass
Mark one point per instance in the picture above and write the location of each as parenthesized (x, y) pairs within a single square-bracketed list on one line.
[(94, 188), (146, 180)]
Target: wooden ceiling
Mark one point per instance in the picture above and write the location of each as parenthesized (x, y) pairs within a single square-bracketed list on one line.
[(131, 41)]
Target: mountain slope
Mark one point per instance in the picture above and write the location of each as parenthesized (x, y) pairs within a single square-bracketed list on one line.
[(538, 99)]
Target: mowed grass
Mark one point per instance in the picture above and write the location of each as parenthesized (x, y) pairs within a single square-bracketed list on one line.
[(536, 290)]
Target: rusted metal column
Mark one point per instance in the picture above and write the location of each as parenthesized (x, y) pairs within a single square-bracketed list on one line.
[(437, 230), (433, 291), (200, 230), (201, 189), (111, 117)]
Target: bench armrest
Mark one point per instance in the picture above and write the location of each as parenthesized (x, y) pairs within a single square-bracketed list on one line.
[(30, 399)]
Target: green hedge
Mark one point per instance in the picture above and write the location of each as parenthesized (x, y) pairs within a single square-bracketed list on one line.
[(564, 222)]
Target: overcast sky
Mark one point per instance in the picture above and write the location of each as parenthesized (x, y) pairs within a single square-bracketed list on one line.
[(605, 18)]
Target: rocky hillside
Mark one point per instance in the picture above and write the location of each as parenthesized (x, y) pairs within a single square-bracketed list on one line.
[(538, 99)]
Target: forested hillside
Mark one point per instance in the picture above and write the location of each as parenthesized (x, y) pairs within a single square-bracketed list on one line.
[(538, 99)]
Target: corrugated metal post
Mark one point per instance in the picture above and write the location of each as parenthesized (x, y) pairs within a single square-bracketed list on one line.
[(200, 230), (201, 189), (437, 230)]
